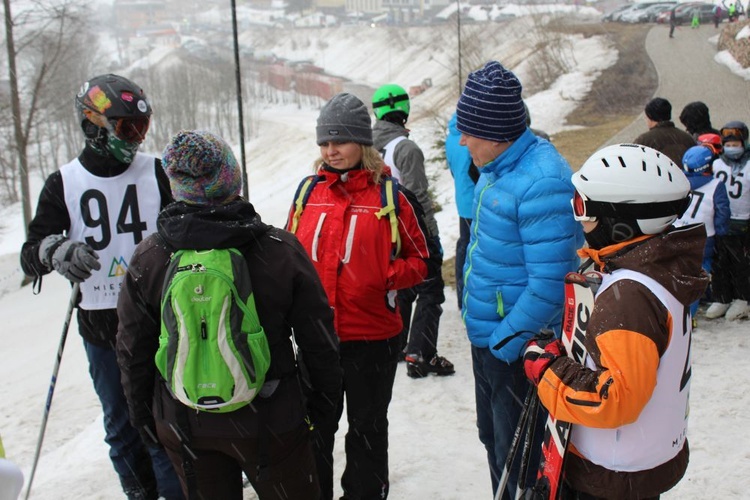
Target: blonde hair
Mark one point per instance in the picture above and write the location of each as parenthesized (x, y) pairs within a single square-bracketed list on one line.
[(371, 161)]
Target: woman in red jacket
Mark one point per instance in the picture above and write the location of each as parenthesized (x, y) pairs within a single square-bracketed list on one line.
[(363, 255)]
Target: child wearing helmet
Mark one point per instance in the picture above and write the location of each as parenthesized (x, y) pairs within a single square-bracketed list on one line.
[(731, 268), (91, 214), (629, 402), (709, 203)]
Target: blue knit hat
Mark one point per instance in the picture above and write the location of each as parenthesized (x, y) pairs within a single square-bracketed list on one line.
[(490, 106), (202, 169)]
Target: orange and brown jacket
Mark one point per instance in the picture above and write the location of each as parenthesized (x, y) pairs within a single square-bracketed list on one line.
[(627, 335)]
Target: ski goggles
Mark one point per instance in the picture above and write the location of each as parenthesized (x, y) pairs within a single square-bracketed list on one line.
[(579, 204), (733, 133), (586, 210), (129, 129)]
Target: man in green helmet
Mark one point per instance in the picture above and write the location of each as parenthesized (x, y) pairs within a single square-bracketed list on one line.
[(391, 106)]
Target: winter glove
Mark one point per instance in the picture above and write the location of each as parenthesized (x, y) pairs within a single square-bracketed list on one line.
[(541, 351), (73, 259), (149, 436)]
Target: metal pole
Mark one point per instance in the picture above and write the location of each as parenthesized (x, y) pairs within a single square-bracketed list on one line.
[(55, 371), (458, 27), (238, 77)]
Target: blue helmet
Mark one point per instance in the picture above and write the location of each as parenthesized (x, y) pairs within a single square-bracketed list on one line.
[(697, 160)]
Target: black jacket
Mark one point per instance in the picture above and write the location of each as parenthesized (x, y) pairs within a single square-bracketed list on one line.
[(97, 327), (291, 304), (668, 139)]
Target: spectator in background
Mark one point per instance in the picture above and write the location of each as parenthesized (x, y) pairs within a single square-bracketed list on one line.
[(696, 119), (717, 15), (523, 242), (662, 135), (672, 22), (465, 175), (731, 267), (709, 204), (391, 105)]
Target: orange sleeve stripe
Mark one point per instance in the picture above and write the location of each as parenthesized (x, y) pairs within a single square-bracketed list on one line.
[(630, 362)]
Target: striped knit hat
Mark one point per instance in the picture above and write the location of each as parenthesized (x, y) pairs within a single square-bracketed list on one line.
[(202, 169), (490, 106)]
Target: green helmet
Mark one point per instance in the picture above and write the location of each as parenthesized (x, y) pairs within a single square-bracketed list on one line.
[(390, 98)]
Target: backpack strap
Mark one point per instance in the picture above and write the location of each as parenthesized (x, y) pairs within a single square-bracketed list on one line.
[(389, 201), (301, 197)]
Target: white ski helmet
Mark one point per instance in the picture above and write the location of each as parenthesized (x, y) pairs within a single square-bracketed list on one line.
[(632, 182)]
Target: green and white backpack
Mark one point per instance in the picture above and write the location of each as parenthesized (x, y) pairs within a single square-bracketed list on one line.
[(213, 352)]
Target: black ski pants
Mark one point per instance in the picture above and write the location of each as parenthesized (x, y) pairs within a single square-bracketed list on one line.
[(731, 269), (369, 373), (420, 332), (218, 463)]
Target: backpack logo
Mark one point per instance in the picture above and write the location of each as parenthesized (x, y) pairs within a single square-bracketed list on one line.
[(213, 352)]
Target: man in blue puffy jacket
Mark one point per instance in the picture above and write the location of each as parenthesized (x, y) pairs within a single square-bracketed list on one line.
[(523, 242)]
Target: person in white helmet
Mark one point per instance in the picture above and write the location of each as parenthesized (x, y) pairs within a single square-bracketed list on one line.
[(629, 403)]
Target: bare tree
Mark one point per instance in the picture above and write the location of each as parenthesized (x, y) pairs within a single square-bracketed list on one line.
[(53, 41)]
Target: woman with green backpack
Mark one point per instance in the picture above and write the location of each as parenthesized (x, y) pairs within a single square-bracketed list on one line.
[(195, 357)]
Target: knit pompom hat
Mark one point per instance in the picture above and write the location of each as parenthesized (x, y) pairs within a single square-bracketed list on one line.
[(344, 119), (202, 169), (490, 106)]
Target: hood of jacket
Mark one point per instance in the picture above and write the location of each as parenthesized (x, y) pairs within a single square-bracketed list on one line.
[(673, 258), (384, 132), (235, 224)]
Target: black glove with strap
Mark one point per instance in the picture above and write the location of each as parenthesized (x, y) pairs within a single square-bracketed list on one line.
[(73, 259)]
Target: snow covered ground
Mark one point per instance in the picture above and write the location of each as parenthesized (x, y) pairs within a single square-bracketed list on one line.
[(434, 449)]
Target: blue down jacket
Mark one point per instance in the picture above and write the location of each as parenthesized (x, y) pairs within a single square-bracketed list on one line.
[(523, 242)]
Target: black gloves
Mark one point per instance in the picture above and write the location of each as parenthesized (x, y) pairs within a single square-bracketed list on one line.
[(73, 259)]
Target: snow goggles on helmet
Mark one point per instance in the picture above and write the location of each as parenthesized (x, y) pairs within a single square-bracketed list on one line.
[(732, 133), (586, 210), (130, 129)]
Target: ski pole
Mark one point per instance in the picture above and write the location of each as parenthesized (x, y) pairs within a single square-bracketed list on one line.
[(527, 443), (514, 443), (55, 370)]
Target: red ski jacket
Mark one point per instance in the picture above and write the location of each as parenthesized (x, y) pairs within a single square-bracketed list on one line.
[(351, 249)]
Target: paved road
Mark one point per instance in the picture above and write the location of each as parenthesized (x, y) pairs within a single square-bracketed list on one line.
[(687, 72)]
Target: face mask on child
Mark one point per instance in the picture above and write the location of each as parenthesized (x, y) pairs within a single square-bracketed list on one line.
[(733, 152)]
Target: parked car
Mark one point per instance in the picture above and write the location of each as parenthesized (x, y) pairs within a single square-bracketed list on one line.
[(609, 17), (684, 13), (644, 12)]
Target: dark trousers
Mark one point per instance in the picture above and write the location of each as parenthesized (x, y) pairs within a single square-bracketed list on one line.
[(143, 471), (500, 389), (731, 269), (369, 372), (218, 463), (420, 332), (464, 235)]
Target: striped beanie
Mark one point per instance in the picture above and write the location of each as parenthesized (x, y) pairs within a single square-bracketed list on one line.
[(202, 169), (490, 106)]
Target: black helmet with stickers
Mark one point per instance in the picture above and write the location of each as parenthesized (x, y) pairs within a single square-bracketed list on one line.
[(114, 114)]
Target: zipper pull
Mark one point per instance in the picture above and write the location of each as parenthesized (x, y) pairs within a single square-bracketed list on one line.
[(204, 329)]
